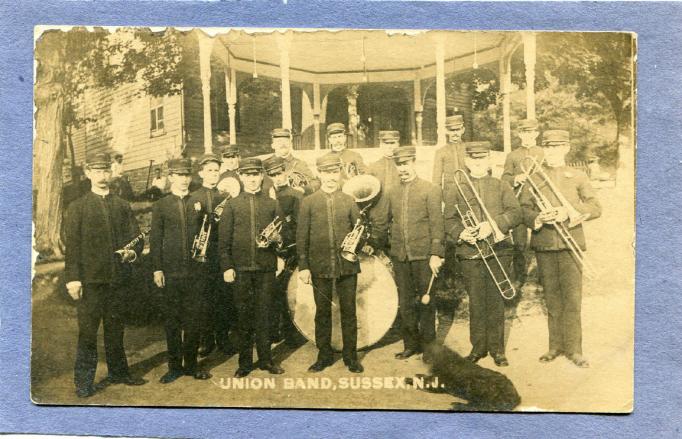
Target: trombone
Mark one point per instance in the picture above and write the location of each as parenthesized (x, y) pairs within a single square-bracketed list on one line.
[(542, 202), (484, 246)]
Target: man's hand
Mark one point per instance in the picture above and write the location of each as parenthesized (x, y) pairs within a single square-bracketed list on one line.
[(128, 256), (561, 214), (435, 262), (281, 263), (368, 249), (519, 179), (484, 230), (229, 276), (304, 275), (75, 290), (468, 235), (159, 279)]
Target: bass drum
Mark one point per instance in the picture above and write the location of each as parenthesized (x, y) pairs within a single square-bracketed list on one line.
[(376, 304)]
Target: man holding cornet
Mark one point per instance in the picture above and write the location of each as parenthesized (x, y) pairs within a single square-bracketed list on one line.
[(249, 229), (478, 217), (417, 247), (97, 228), (555, 201), (326, 217)]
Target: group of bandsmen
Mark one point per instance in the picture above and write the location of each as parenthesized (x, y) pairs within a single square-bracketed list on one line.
[(233, 284)]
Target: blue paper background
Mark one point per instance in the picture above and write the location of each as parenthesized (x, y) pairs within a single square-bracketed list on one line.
[(659, 169)]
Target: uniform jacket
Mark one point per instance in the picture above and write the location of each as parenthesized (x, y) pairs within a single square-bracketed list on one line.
[(415, 221), (324, 220), (173, 228), (576, 188), (243, 219), (95, 228), (446, 161), (208, 199), (385, 170), (500, 202), (514, 161)]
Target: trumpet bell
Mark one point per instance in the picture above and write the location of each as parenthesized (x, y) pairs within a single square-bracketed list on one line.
[(362, 188), (349, 256)]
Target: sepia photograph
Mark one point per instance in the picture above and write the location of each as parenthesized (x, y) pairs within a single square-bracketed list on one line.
[(334, 219)]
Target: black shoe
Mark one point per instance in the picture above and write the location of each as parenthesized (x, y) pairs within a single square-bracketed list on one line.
[(319, 366), (242, 372), (407, 353), (474, 357), (128, 380), (426, 358), (355, 367), (171, 376), (206, 349), (201, 375), (276, 338), (500, 360), (86, 392), (272, 368), (548, 356)]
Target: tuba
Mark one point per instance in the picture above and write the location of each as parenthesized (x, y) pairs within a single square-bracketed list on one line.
[(363, 189), (129, 246), (484, 246), (270, 234)]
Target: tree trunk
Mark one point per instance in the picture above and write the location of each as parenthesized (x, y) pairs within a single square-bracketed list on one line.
[(48, 158)]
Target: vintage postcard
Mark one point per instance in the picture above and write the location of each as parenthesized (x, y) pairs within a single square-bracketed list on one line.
[(346, 219)]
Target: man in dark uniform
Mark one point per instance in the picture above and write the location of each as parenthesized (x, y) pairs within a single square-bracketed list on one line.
[(98, 224), (417, 247), (230, 163), (289, 201), (486, 305), (281, 144), (351, 162), (450, 157), (250, 267), (385, 170), (217, 298), (513, 174), (170, 241), (560, 274), (324, 220)]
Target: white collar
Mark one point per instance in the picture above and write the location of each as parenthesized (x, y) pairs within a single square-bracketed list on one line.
[(178, 193), (101, 192), (327, 191)]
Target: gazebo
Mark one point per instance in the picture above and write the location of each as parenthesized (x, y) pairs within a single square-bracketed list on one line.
[(321, 60)]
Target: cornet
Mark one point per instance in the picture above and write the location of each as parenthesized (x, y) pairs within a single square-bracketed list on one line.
[(363, 189), (200, 243), (483, 246), (270, 234), (350, 244), (129, 246), (574, 217)]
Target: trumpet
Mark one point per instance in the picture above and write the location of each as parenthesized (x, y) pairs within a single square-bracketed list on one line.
[(129, 246), (350, 244), (200, 243), (270, 234), (574, 217), (483, 246)]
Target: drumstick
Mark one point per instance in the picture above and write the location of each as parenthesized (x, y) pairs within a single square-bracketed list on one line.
[(323, 295), (426, 298)]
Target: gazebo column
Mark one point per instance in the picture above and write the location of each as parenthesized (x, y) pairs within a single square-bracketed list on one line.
[(418, 109), (529, 62), (316, 113), (205, 48), (440, 89), (505, 88), (283, 41), (231, 97)]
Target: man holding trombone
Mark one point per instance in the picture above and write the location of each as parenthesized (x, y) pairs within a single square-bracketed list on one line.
[(555, 201), (478, 218)]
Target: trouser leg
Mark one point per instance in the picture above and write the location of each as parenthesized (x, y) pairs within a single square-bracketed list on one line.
[(89, 311), (474, 272), (193, 311), (406, 303), (113, 306), (322, 293), (224, 316), (570, 278), (548, 270), (519, 263), (262, 285), (244, 302), (207, 324), (279, 316), (346, 287), (172, 307), (426, 314), (494, 307)]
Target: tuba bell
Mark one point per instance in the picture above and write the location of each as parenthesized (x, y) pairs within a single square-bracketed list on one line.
[(363, 189)]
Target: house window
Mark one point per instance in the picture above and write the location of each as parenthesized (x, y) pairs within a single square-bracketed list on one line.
[(156, 119)]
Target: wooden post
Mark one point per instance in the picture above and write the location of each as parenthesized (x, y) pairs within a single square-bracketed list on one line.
[(205, 48), (529, 62), (505, 88), (283, 41), (440, 89), (418, 108), (316, 113), (233, 107)]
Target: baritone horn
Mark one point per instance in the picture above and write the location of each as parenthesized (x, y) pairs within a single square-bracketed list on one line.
[(363, 189), (483, 246), (574, 217)]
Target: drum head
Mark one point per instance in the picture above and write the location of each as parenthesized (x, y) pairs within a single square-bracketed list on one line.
[(376, 305)]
